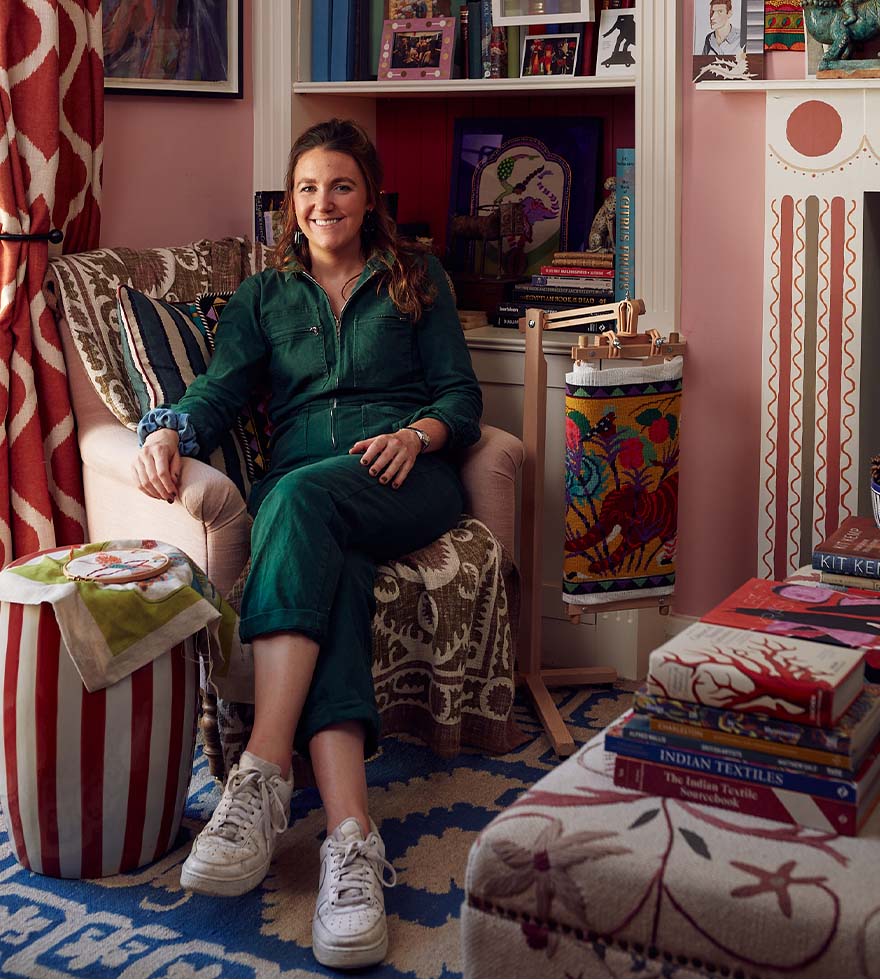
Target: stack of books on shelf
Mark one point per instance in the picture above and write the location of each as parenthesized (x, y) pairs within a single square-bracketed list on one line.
[(756, 721), (572, 280)]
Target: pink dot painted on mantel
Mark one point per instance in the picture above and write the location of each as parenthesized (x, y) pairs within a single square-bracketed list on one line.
[(814, 128)]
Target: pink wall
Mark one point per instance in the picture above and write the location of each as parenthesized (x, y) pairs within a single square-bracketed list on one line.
[(721, 315), (178, 169)]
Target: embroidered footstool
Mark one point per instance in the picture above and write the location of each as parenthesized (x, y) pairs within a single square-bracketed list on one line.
[(100, 691), (580, 878)]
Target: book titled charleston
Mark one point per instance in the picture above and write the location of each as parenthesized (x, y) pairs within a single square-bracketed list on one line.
[(805, 611), (853, 549), (769, 802), (625, 226), (845, 788), (741, 670), (845, 745)]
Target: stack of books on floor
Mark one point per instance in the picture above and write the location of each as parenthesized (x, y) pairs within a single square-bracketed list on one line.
[(572, 280), (755, 721)]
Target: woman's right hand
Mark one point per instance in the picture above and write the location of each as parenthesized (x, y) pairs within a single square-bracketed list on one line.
[(157, 466)]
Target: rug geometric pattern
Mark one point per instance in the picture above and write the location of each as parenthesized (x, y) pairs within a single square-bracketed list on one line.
[(430, 811)]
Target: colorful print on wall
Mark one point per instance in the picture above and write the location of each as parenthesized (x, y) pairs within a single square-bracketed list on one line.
[(728, 40), (783, 25), (621, 482), (173, 47)]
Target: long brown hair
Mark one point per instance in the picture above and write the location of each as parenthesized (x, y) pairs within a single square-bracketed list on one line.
[(405, 269)]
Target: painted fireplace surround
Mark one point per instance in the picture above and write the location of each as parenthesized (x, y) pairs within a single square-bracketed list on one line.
[(822, 157)]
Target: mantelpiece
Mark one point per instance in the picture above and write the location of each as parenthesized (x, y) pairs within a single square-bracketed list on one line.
[(821, 176)]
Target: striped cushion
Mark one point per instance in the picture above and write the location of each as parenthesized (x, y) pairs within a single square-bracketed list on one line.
[(163, 349), (255, 415)]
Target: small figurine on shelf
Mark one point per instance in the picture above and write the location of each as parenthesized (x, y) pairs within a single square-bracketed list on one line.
[(602, 229), (843, 26)]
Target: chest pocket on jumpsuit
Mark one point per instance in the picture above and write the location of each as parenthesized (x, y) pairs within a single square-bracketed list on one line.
[(384, 350), (297, 340)]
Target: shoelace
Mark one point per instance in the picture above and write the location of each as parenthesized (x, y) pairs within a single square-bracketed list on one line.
[(356, 862), (245, 789)]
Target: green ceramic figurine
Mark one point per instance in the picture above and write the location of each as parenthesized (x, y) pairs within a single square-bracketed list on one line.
[(842, 24)]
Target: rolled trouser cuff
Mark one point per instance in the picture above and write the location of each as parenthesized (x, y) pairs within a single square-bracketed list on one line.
[(308, 621)]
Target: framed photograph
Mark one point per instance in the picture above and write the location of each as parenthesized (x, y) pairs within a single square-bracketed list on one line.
[(173, 47), (549, 54), (417, 48), (616, 53), (417, 8)]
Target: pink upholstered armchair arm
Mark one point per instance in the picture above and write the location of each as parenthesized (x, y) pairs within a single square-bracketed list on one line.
[(489, 471)]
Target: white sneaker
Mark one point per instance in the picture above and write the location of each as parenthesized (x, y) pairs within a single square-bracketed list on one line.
[(232, 853), (349, 927)]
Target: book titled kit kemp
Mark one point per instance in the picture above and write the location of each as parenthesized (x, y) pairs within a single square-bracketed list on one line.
[(805, 611), (741, 670), (853, 549)]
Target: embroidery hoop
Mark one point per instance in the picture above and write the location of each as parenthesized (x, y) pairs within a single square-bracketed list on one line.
[(117, 567)]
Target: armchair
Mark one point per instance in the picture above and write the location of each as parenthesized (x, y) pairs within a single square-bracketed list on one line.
[(447, 686)]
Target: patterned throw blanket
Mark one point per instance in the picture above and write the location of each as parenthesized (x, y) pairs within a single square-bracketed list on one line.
[(621, 481), (112, 629), (783, 25), (443, 642)]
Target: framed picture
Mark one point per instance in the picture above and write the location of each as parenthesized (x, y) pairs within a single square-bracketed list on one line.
[(173, 47), (616, 53), (417, 48), (268, 217), (569, 152), (728, 39), (417, 8), (549, 54)]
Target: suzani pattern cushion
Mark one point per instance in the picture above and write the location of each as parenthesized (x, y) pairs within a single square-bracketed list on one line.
[(256, 427), (163, 349)]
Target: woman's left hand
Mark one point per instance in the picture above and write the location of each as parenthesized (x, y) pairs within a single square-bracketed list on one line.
[(390, 456)]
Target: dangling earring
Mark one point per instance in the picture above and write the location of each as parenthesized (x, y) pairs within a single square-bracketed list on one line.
[(299, 239)]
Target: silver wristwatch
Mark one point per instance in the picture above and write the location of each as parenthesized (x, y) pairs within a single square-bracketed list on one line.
[(424, 438)]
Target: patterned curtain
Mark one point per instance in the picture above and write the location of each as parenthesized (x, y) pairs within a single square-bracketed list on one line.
[(52, 114)]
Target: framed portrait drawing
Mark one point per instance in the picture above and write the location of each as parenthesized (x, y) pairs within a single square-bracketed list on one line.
[(728, 39), (416, 49), (549, 54), (173, 47)]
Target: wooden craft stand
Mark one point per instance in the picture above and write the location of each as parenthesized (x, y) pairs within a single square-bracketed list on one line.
[(621, 342)]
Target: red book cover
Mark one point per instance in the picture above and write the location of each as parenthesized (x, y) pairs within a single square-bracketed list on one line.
[(749, 798), (806, 611), (742, 670), (853, 549)]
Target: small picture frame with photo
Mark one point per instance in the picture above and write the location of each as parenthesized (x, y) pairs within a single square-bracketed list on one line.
[(417, 49), (617, 52), (549, 54)]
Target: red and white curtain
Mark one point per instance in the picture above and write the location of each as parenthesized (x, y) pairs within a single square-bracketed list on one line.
[(51, 143)]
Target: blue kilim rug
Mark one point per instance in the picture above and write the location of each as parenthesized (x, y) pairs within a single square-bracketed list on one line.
[(142, 925)]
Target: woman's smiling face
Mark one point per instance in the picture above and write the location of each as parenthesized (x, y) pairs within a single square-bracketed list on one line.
[(330, 200)]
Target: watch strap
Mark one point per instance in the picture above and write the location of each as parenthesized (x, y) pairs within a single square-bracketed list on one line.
[(424, 438)]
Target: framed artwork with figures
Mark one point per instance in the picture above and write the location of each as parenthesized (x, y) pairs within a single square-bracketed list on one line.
[(173, 47)]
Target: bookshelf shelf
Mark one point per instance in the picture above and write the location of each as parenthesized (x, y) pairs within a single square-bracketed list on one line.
[(467, 86), (790, 85)]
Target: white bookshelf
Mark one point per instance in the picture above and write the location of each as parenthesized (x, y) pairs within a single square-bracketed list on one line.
[(480, 87)]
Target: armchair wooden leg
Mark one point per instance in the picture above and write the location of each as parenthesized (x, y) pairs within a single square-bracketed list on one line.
[(211, 735)]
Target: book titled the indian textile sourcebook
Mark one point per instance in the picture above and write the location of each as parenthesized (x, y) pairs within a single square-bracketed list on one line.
[(782, 676)]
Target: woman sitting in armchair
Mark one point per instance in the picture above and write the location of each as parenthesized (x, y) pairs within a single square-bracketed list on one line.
[(371, 386)]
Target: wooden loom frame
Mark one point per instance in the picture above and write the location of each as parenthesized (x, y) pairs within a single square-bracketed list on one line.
[(622, 342)]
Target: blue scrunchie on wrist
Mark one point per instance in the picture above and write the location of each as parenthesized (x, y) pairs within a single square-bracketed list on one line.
[(165, 418)]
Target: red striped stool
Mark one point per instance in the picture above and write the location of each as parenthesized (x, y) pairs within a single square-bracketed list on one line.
[(91, 783)]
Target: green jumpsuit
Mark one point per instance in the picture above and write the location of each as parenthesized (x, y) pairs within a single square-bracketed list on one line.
[(321, 521)]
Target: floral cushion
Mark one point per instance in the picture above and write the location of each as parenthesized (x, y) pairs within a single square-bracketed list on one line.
[(579, 877)]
